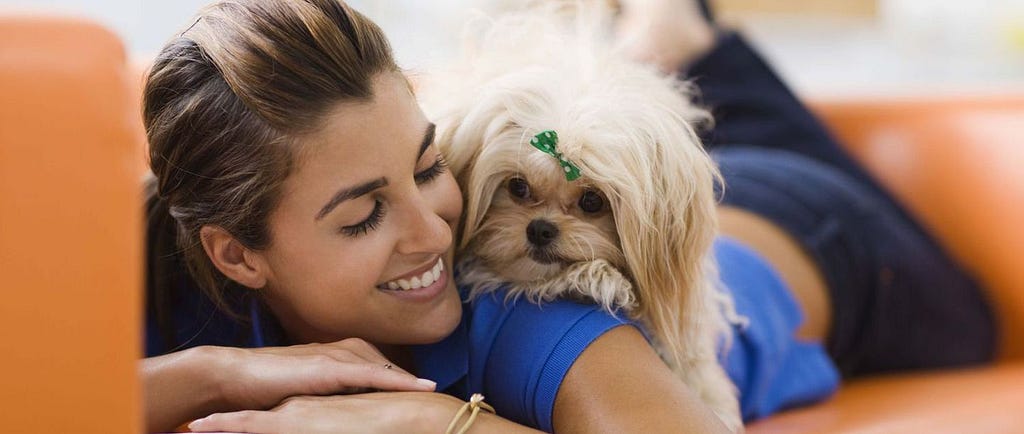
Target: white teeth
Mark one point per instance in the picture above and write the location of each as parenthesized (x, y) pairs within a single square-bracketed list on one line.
[(436, 272), (424, 280)]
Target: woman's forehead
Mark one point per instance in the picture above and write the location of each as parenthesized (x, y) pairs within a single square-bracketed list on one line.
[(383, 124), (362, 140)]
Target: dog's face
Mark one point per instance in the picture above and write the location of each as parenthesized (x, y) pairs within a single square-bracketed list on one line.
[(539, 223), (645, 180), (644, 203)]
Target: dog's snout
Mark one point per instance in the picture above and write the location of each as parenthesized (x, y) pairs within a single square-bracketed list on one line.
[(541, 232)]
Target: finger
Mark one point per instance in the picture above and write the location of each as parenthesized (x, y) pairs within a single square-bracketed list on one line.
[(360, 347), (322, 375), (374, 376), (352, 350), (249, 421), (376, 360), (368, 352)]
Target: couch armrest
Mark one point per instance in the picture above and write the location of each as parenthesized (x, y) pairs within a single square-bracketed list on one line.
[(70, 230)]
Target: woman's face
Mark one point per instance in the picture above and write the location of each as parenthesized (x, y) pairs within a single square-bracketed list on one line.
[(368, 207)]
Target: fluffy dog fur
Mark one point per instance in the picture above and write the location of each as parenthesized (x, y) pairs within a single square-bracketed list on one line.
[(646, 251)]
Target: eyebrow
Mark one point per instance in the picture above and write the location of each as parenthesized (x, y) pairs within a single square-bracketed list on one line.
[(428, 139), (365, 188), (349, 194)]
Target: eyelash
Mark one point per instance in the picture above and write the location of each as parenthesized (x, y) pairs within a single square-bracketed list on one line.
[(433, 172), (375, 217), (367, 225)]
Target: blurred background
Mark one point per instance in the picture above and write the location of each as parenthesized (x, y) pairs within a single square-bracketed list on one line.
[(822, 47)]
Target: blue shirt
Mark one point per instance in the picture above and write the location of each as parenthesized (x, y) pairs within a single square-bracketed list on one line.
[(517, 353)]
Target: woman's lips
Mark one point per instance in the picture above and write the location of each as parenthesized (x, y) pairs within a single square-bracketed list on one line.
[(423, 284)]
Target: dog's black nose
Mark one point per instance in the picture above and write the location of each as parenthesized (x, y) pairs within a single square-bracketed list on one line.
[(541, 232)]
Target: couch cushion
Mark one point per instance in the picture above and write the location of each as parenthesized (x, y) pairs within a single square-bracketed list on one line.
[(982, 400)]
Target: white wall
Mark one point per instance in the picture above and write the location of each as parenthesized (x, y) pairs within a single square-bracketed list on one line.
[(420, 30), (913, 46), (143, 25)]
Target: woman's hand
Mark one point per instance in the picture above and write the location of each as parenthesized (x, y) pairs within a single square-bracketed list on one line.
[(383, 412), (182, 386), (263, 377)]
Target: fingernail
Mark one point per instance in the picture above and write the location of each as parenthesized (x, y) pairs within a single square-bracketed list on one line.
[(195, 424), (426, 383)]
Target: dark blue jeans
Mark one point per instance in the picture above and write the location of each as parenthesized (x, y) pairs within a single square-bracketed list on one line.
[(899, 300)]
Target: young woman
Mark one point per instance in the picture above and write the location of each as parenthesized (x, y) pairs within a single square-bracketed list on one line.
[(296, 177)]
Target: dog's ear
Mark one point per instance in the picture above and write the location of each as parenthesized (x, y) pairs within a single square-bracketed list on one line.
[(459, 158), (465, 138), (666, 224)]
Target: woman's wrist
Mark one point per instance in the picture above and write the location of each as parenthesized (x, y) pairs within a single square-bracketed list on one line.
[(485, 422), (438, 416), (181, 386), (209, 365)]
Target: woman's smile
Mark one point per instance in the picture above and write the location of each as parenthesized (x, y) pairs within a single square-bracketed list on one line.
[(423, 284)]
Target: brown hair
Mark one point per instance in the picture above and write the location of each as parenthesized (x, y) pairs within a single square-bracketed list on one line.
[(223, 105)]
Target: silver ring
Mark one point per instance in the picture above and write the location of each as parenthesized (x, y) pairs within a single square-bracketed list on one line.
[(388, 366)]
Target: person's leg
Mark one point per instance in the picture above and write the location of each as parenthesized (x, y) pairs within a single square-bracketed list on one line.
[(897, 302)]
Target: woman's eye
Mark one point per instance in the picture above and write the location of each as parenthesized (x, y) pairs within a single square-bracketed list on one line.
[(432, 172), (591, 202), (370, 223), (518, 188)]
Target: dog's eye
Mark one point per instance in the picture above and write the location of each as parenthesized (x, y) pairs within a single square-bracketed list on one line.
[(518, 188), (591, 202)]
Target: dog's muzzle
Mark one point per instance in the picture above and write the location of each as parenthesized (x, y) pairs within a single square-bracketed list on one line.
[(541, 232)]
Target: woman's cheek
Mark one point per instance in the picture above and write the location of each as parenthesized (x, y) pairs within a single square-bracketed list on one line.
[(452, 200)]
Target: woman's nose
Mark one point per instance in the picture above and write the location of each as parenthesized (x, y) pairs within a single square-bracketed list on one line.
[(426, 231)]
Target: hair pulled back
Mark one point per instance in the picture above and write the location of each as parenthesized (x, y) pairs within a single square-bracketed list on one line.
[(223, 106)]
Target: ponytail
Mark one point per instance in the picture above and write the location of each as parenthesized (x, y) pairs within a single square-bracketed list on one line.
[(164, 268)]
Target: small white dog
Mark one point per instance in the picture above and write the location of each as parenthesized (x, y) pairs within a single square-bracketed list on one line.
[(584, 178)]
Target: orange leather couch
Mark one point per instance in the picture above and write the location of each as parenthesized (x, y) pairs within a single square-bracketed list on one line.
[(70, 240)]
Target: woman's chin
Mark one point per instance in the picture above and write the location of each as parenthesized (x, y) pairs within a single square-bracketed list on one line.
[(440, 322)]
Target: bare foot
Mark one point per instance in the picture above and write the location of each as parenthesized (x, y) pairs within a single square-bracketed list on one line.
[(666, 33)]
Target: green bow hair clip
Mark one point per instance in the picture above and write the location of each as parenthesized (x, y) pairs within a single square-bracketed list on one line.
[(547, 142)]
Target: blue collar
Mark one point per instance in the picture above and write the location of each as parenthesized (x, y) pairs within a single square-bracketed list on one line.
[(257, 324), (457, 362)]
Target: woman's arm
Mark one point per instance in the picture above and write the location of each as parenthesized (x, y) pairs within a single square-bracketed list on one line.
[(178, 387), (183, 386), (619, 384), (382, 412)]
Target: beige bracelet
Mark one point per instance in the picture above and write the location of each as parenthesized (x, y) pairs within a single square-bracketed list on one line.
[(476, 402)]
